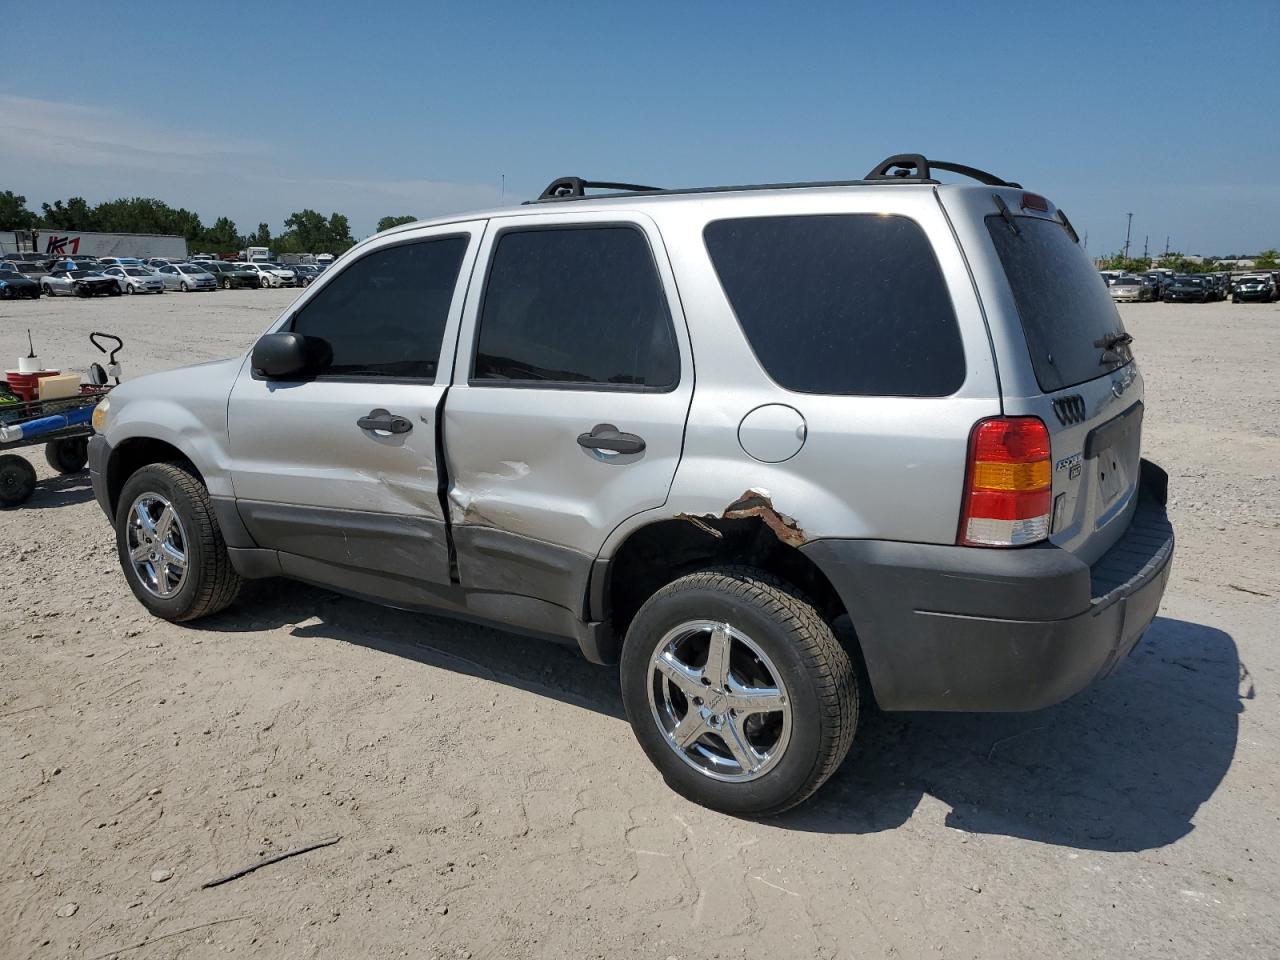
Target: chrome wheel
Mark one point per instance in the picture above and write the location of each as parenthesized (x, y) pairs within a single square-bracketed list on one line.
[(157, 545), (719, 701)]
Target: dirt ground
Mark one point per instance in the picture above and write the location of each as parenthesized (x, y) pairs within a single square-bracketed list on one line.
[(491, 799)]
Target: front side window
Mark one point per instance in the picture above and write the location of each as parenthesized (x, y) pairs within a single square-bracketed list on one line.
[(841, 304), (580, 307), (384, 314)]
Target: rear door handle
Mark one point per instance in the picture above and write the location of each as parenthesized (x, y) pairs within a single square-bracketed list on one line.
[(605, 436), (384, 421)]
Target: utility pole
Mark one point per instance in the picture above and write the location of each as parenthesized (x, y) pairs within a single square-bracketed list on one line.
[(502, 190), (1166, 245), (1127, 230), (1144, 247)]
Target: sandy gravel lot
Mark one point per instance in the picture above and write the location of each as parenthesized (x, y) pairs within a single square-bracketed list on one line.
[(492, 802)]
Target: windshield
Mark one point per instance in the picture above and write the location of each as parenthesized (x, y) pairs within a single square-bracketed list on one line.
[(135, 272), (190, 268), (1064, 311), (1127, 282), (1189, 281)]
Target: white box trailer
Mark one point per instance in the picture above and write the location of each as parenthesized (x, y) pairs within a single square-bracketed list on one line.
[(63, 243)]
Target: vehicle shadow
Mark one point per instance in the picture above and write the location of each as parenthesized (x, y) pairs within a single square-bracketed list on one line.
[(1124, 766), (538, 666), (61, 491)]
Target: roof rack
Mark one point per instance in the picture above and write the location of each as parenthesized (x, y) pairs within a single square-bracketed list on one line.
[(914, 168), (570, 188)]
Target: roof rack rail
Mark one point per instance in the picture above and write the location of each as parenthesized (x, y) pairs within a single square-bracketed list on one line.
[(570, 188), (914, 168)]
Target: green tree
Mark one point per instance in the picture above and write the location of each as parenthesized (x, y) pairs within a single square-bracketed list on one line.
[(14, 214), (307, 231), (386, 223), (76, 214), (339, 234), (260, 237), (222, 237), (1267, 260)]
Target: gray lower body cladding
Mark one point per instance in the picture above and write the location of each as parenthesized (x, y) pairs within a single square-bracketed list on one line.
[(967, 629)]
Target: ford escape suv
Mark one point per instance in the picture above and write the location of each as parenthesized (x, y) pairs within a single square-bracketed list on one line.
[(775, 450)]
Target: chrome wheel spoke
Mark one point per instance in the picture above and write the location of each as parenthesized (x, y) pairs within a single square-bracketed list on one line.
[(164, 523), (140, 553), (718, 649), (142, 516), (749, 700), (689, 729), (735, 738), (173, 556), (685, 678)]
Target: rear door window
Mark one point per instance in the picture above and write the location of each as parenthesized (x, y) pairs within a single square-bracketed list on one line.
[(1066, 315), (846, 304), (577, 308)]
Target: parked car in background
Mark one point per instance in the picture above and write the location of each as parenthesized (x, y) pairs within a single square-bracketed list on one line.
[(120, 262), (1260, 288), (157, 262), (136, 279), (231, 275), (1188, 289), (17, 286), (306, 273), (1131, 288), (35, 269), (272, 274), (79, 283), (186, 277), (1159, 280)]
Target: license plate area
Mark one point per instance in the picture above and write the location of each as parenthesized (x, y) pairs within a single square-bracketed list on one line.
[(1112, 475)]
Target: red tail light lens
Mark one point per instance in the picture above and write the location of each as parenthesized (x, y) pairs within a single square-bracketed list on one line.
[(1033, 201), (1009, 486)]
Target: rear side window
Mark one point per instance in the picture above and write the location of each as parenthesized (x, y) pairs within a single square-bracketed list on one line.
[(847, 305), (384, 315), (578, 307), (1066, 314)]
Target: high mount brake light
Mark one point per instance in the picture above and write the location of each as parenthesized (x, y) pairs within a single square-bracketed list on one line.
[(1033, 201), (1008, 486)]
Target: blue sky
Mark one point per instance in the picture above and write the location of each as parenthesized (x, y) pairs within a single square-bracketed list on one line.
[(256, 110)]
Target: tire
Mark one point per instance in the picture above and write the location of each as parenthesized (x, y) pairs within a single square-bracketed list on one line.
[(115, 291), (47, 291), (129, 290), (67, 456), (209, 583), (775, 630), (17, 480), (183, 286), (262, 282), (226, 284)]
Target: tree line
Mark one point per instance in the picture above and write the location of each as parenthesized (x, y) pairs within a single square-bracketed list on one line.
[(1178, 263), (305, 231)]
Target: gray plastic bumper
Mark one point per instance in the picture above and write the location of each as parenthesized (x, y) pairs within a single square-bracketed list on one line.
[(962, 628)]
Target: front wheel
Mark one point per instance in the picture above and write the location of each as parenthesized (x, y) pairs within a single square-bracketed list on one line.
[(170, 545), (226, 284), (738, 691), (183, 287), (114, 290)]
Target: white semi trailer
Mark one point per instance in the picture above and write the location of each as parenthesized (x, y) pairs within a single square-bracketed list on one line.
[(65, 243)]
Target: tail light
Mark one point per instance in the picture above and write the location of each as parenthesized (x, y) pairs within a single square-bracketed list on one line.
[(1008, 486)]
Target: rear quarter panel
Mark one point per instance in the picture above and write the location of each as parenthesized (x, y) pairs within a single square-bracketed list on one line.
[(870, 467)]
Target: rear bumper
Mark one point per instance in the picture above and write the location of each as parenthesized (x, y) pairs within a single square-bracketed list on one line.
[(961, 628)]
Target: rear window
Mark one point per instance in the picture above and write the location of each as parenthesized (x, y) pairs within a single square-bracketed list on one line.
[(846, 305), (1065, 314)]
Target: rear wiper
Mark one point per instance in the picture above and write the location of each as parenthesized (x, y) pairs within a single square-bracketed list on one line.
[(1109, 343)]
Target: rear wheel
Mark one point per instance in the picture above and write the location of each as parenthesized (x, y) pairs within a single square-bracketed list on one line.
[(170, 545), (114, 290), (738, 691), (69, 455), (17, 480)]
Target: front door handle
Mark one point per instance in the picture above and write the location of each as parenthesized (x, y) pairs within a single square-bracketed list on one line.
[(605, 436), (384, 422)]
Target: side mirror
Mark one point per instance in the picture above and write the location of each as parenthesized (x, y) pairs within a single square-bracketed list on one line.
[(282, 356)]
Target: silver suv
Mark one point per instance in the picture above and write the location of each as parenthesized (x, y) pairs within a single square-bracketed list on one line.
[(777, 450)]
